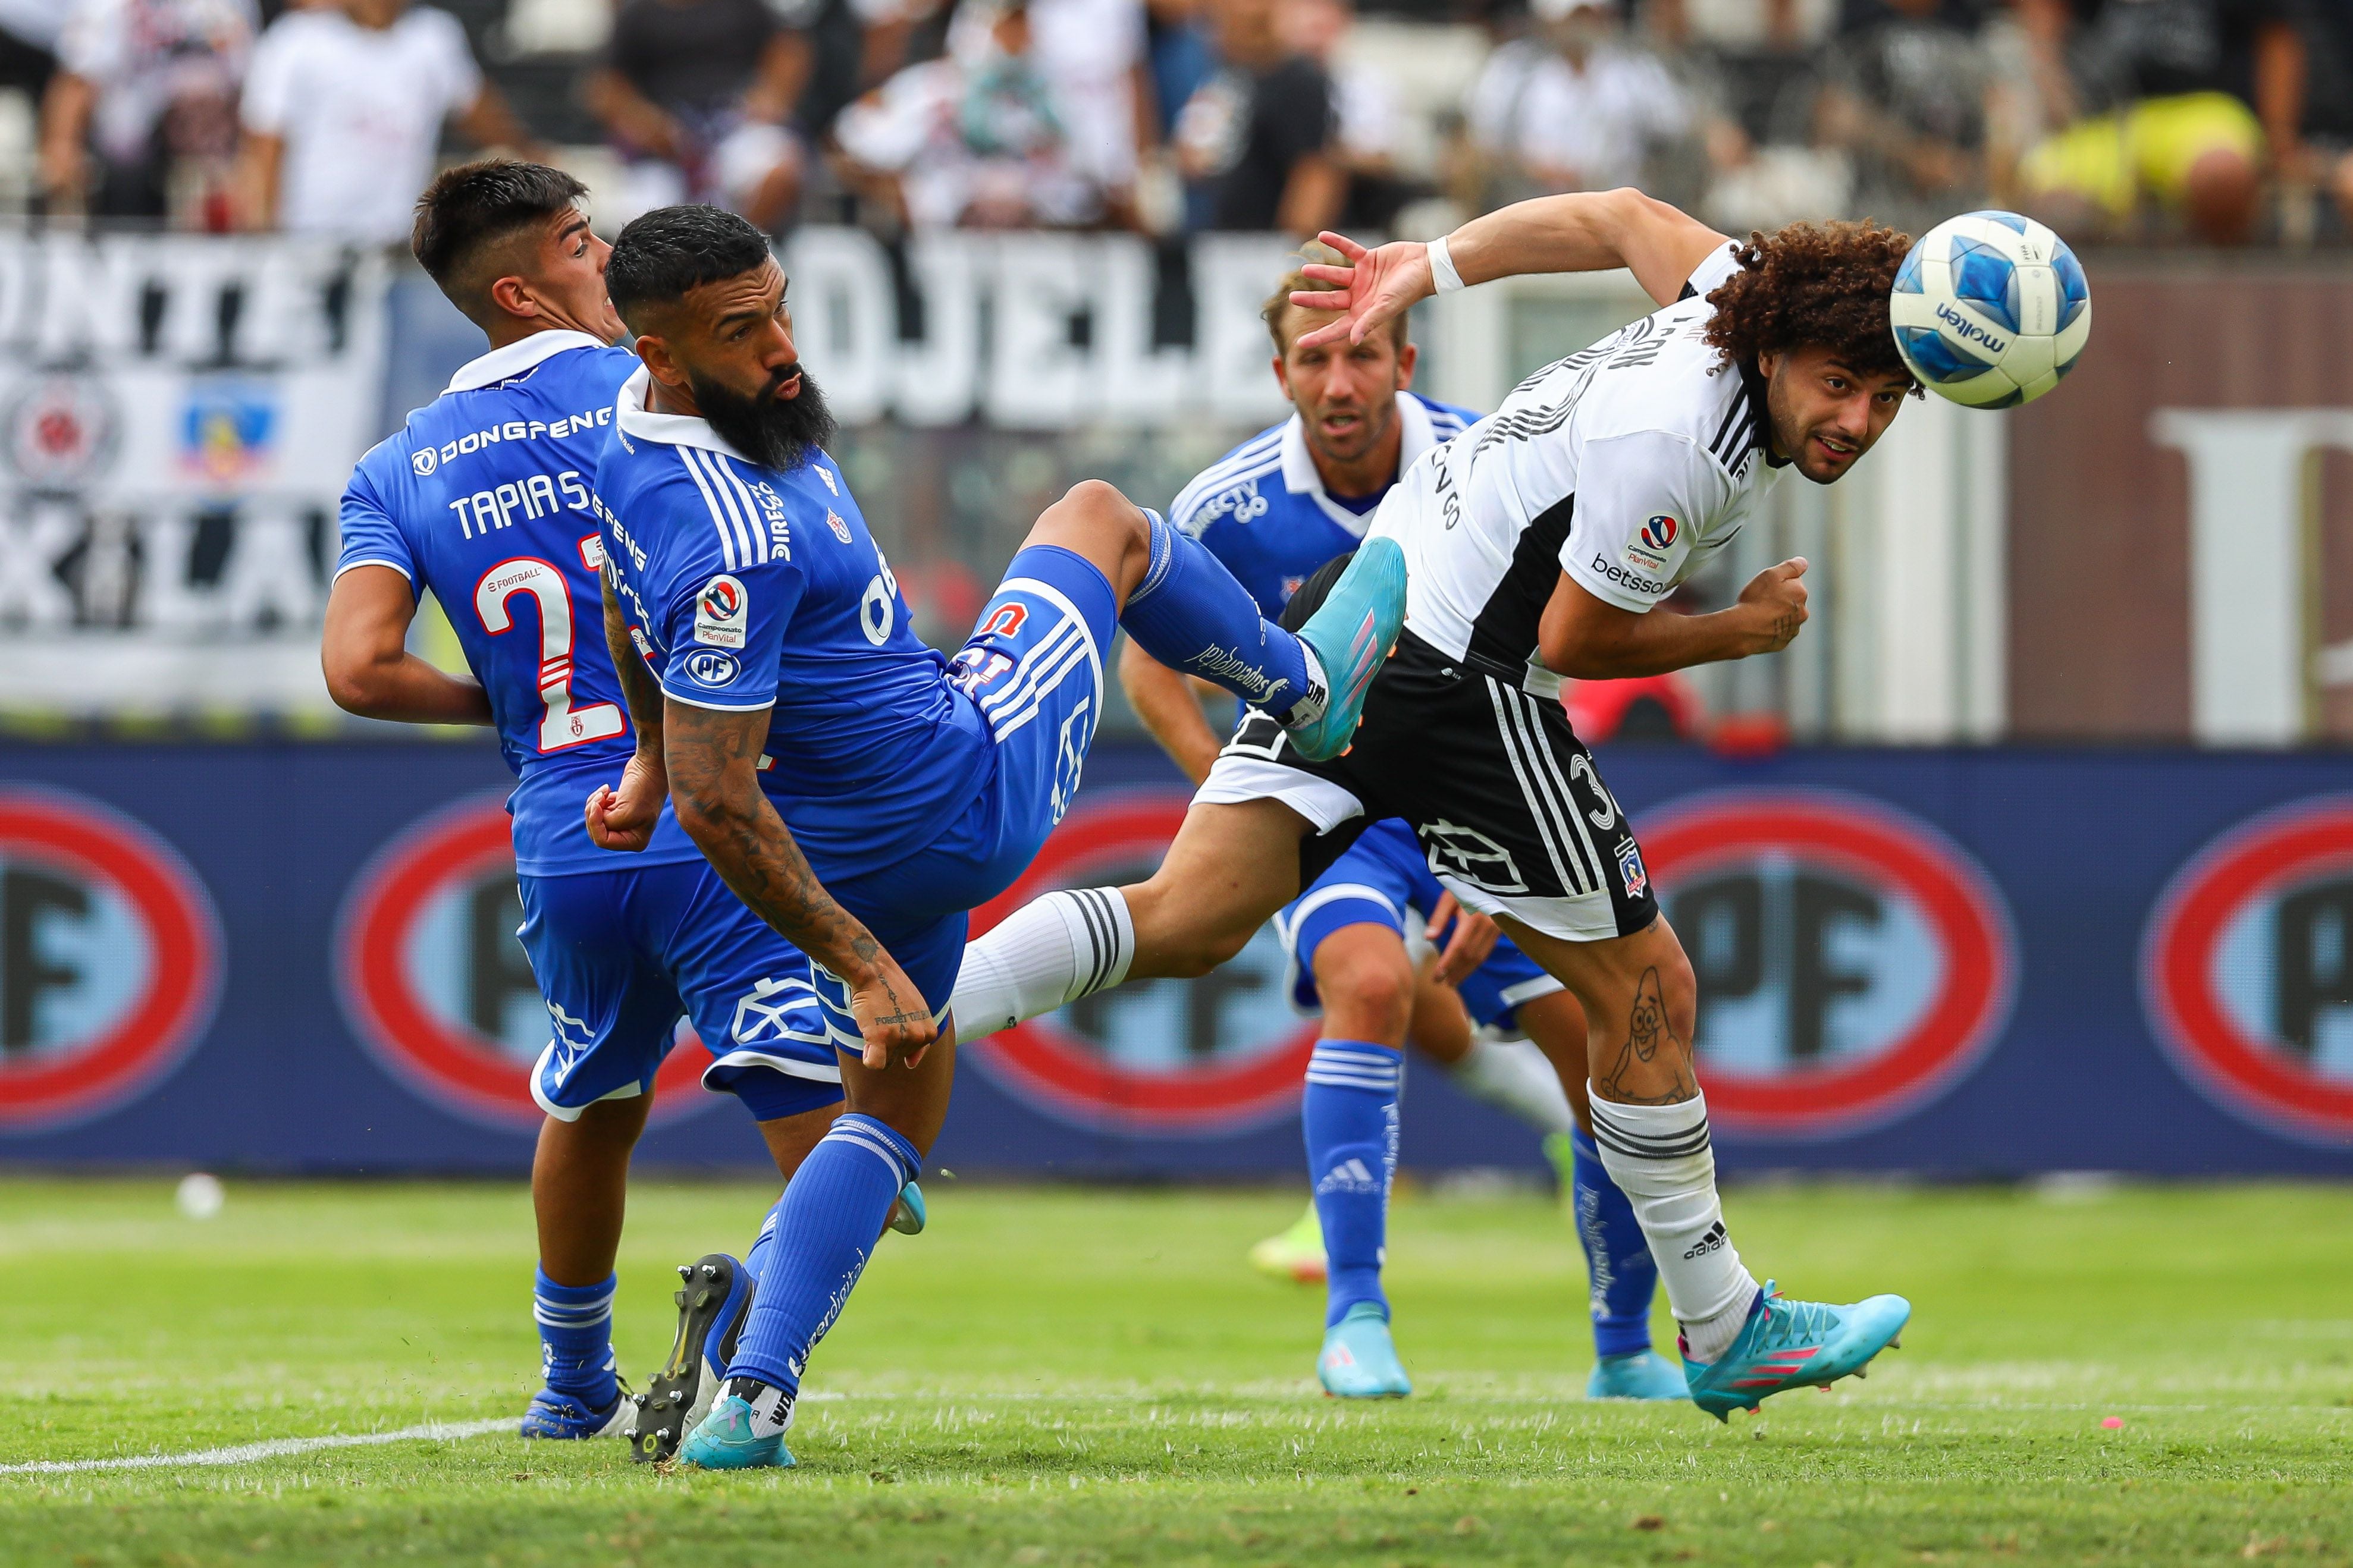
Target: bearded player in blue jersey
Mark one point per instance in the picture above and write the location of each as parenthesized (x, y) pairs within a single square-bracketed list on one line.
[(858, 790), (1273, 509), (483, 499)]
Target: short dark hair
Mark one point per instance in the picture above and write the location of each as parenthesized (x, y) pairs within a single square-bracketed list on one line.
[(663, 254), (476, 205), (1823, 284)]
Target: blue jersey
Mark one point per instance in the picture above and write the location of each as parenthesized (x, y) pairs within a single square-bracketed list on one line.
[(1262, 509), (484, 498), (756, 587)]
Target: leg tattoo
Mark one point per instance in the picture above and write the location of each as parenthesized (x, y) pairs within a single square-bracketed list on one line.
[(1646, 1033)]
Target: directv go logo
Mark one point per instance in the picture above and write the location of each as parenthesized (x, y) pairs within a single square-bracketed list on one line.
[(109, 958)]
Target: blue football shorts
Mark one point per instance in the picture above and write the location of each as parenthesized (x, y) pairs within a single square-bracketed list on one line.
[(1382, 880), (1031, 678), (620, 955)]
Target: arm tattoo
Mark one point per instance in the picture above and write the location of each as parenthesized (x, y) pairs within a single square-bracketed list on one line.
[(1647, 1038), (713, 760), (638, 685)]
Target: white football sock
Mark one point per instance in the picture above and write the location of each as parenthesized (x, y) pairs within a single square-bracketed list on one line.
[(1661, 1158), (1516, 1076), (1045, 955)]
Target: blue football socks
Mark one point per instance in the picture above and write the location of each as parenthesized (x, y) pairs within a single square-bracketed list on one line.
[(575, 1338), (1350, 1115), (1625, 1277), (1192, 615), (826, 1227)]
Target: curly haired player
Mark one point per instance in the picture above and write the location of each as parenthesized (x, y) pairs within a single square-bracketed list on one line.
[(1537, 544)]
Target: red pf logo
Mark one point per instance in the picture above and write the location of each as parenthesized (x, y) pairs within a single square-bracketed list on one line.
[(437, 987), (1853, 962), (109, 958), (1660, 532), (2247, 971), (1175, 1057)]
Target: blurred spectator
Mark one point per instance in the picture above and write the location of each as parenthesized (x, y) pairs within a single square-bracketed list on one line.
[(976, 138), (1364, 105), (1258, 141), (343, 108), (28, 44), (150, 87), (1903, 95), (1092, 53), (697, 94), (1177, 52), (2181, 102), (1572, 107)]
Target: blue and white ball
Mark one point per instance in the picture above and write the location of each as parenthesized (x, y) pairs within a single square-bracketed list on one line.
[(1991, 309)]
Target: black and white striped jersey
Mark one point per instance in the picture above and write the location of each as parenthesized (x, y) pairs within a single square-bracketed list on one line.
[(1627, 465)]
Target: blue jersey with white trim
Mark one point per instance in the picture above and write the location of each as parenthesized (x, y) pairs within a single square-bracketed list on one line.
[(756, 587), (483, 497), (1262, 509)]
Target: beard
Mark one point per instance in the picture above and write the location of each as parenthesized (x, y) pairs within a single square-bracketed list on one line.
[(779, 433)]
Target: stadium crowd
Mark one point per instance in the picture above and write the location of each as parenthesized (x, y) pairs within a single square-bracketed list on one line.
[(2225, 121)]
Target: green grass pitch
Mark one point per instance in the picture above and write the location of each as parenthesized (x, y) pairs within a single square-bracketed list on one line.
[(1066, 1376)]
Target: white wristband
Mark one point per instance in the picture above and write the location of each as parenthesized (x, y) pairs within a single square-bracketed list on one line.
[(1441, 267)]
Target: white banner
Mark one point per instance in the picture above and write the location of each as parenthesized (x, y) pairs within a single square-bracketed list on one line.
[(178, 415)]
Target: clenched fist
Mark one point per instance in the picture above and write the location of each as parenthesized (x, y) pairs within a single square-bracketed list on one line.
[(1774, 604)]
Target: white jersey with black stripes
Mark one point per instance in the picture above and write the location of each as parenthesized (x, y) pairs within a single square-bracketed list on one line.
[(1627, 465)]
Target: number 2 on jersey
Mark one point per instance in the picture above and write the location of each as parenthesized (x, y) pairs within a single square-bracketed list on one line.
[(561, 726)]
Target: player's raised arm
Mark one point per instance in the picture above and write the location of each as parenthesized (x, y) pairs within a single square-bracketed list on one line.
[(1586, 231), (714, 757)]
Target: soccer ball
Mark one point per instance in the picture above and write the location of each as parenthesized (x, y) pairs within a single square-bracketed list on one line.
[(1991, 309)]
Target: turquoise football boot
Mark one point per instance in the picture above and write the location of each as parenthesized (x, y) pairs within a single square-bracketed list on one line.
[(1640, 1374), (725, 1441), (1360, 1360), (1789, 1344), (908, 1215), (1352, 632)]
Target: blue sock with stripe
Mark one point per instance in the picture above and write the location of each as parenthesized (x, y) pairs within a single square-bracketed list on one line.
[(827, 1223), (1616, 1255), (1191, 614), (1350, 1115), (575, 1338)]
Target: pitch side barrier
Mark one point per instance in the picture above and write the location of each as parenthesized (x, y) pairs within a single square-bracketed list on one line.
[(1943, 962)]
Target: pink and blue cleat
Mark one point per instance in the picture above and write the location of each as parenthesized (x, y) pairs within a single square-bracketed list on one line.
[(1351, 633), (1359, 1360), (728, 1440), (1789, 1344)]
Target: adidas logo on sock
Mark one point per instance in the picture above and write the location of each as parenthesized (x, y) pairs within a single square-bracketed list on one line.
[(1715, 1238), (1350, 1175)]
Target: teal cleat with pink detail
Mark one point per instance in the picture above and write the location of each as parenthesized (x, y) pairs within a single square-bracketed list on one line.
[(1789, 1344)]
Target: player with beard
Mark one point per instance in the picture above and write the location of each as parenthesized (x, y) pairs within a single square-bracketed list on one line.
[(503, 532), (857, 790), (1275, 509), (1537, 544)]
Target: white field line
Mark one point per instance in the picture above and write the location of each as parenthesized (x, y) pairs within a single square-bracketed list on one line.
[(250, 1453)]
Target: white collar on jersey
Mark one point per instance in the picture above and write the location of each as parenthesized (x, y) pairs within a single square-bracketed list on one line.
[(522, 354), (632, 417), (1300, 475)]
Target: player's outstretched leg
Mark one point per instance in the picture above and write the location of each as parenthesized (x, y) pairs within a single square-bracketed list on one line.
[(1184, 607), (1741, 1343), (1350, 1117)]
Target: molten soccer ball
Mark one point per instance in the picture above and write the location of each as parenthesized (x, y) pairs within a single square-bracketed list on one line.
[(1991, 309)]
